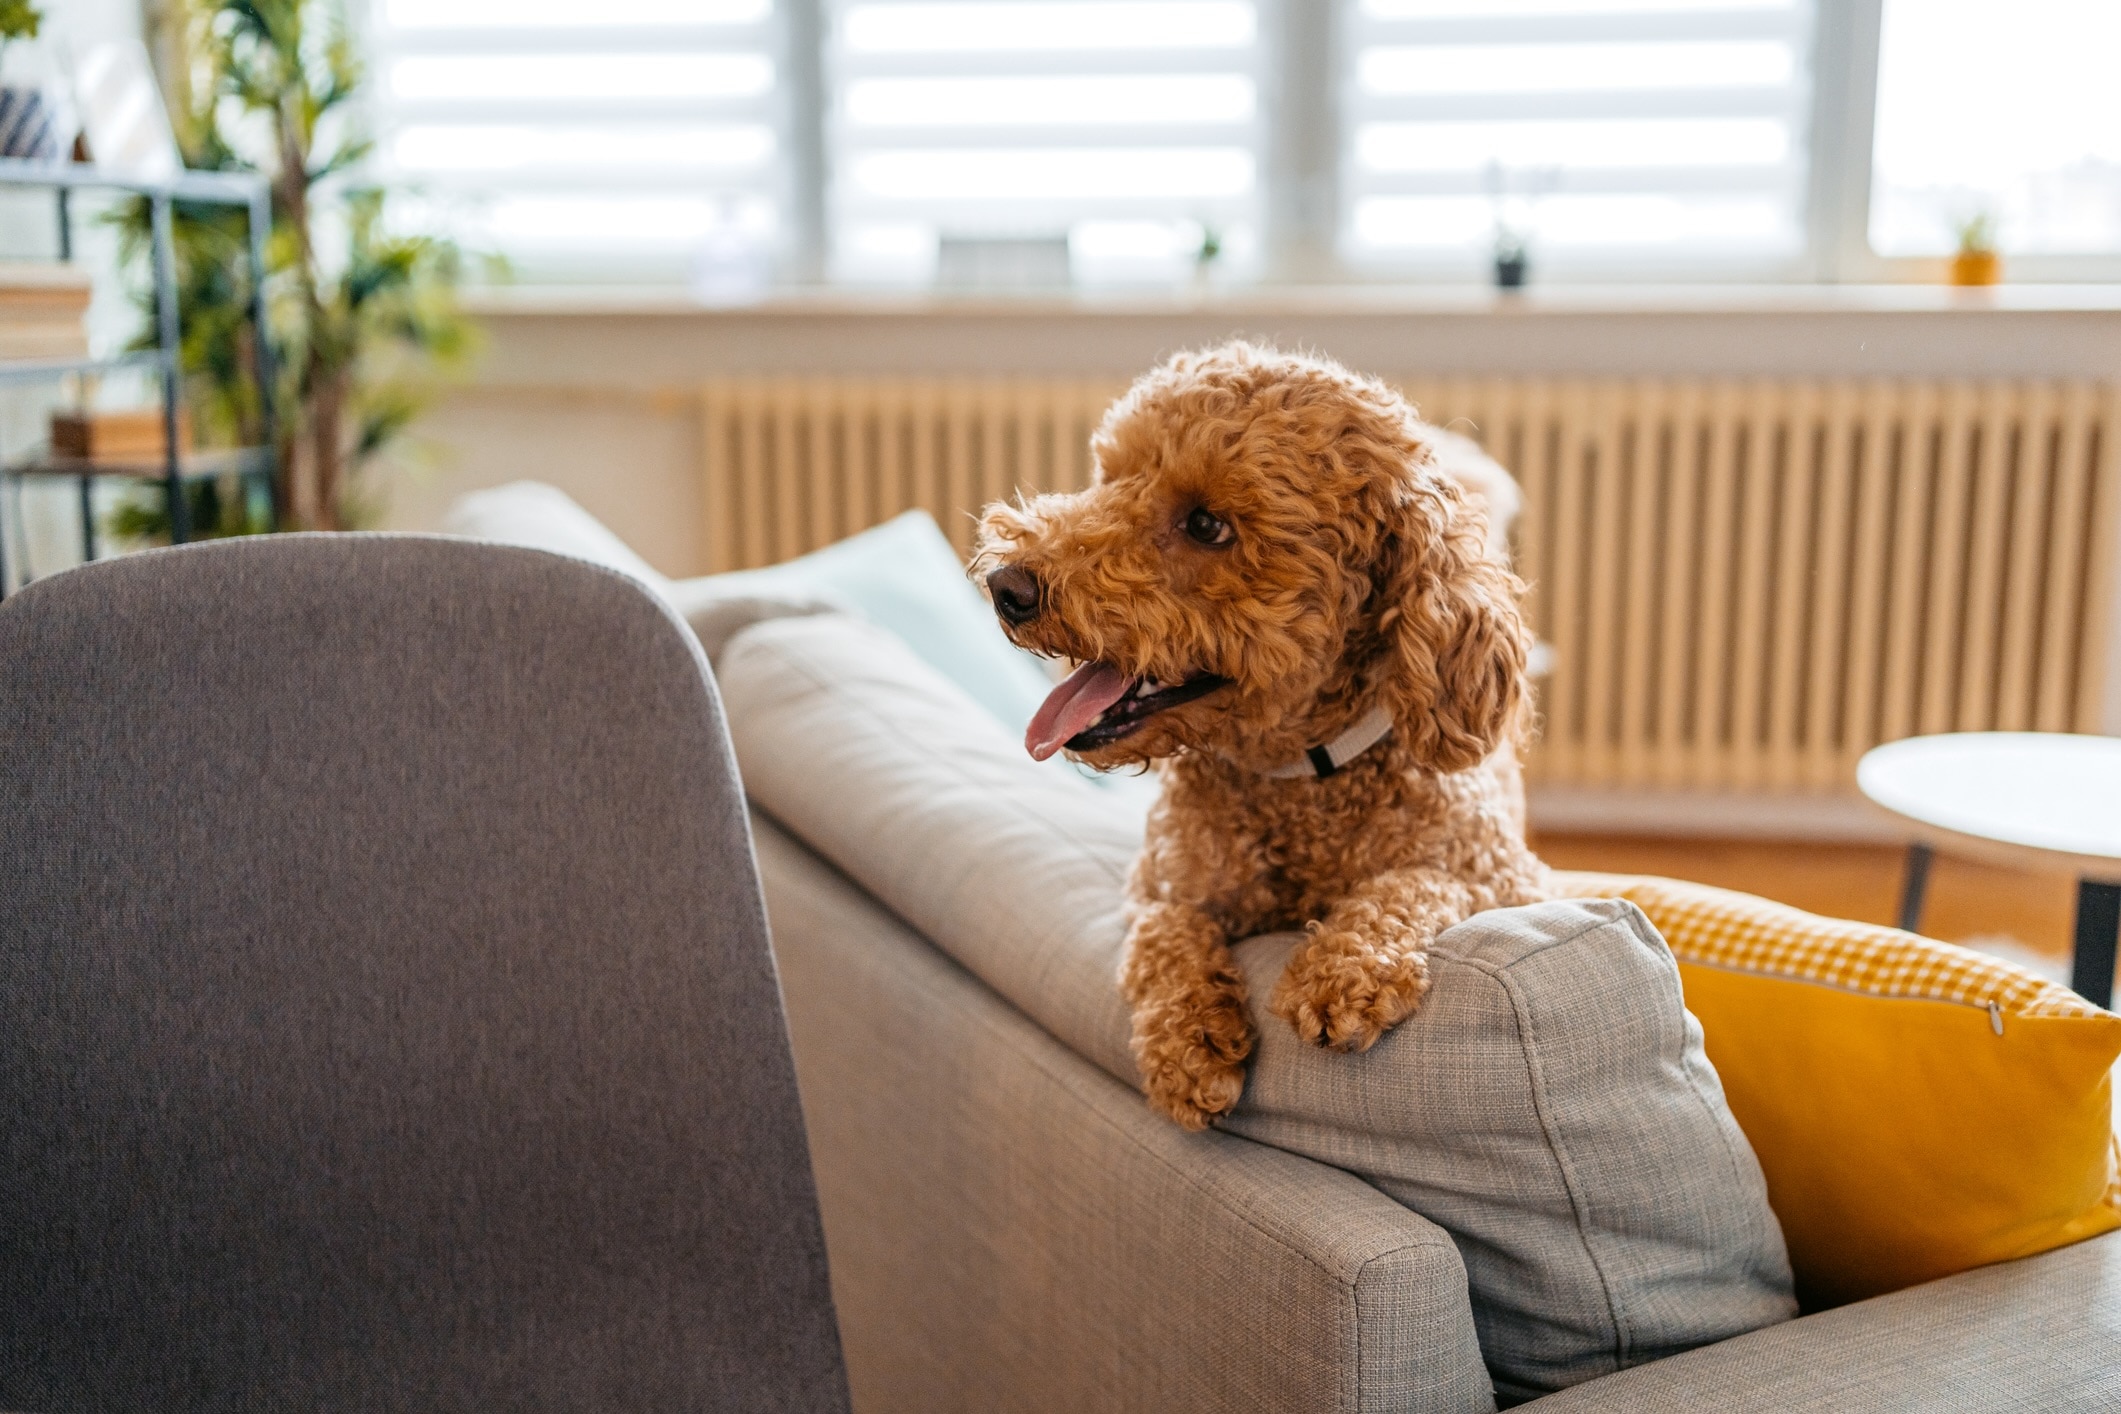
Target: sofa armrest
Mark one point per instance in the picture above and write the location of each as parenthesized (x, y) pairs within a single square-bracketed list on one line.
[(2039, 1334), (1011, 1228)]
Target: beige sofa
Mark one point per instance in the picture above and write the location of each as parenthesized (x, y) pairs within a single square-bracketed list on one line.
[(1010, 1228)]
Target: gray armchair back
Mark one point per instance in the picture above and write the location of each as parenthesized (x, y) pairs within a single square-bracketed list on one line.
[(387, 1019)]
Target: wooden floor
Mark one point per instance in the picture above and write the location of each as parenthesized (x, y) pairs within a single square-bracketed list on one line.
[(2001, 910)]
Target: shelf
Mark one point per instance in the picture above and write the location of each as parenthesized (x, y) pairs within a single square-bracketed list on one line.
[(222, 188), (249, 192), (38, 370), (196, 466)]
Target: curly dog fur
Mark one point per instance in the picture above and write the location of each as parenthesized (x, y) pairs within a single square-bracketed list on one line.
[(1284, 525)]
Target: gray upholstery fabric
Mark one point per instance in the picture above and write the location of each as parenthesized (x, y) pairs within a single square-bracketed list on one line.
[(1550, 1105), (389, 1021), (890, 772), (1012, 1230), (2037, 1336)]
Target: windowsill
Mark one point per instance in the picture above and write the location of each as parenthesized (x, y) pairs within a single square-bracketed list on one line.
[(1346, 299)]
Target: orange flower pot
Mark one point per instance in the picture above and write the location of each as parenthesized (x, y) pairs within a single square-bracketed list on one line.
[(1977, 267)]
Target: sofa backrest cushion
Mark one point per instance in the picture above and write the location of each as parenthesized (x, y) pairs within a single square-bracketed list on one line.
[(543, 517), (1550, 1105)]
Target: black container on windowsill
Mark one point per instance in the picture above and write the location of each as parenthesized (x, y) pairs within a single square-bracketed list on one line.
[(1510, 267)]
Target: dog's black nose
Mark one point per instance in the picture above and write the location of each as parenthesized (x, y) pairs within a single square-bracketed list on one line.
[(1015, 591)]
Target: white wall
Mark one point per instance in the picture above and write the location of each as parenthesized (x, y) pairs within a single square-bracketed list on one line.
[(597, 399)]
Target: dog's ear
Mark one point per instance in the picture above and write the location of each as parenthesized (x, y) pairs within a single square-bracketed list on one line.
[(1454, 637)]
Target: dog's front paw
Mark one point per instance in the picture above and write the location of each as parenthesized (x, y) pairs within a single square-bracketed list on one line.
[(1192, 1052), (1339, 994)]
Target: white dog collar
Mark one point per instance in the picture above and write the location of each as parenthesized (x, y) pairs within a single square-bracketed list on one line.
[(1369, 729)]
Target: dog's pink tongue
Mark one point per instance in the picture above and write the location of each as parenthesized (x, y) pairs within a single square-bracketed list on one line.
[(1073, 705)]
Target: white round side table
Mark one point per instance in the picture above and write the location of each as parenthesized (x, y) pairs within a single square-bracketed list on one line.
[(2014, 798)]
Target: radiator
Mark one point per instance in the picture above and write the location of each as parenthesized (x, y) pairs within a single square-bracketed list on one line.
[(1745, 584), (795, 464)]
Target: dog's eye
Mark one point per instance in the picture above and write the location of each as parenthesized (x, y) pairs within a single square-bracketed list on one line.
[(1208, 528)]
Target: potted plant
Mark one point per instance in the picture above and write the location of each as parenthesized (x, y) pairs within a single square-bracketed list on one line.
[(29, 125), (363, 321), (1512, 258), (1977, 261), (1513, 197)]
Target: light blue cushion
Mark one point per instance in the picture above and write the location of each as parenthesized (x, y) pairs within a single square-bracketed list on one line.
[(904, 576)]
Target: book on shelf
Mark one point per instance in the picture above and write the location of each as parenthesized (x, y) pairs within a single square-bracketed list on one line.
[(43, 308), (56, 284), (42, 341), (110, 436)]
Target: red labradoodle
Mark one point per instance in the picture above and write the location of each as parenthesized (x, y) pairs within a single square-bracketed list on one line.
[(1281, 594)]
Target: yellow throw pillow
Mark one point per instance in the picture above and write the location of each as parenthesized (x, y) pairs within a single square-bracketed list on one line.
[(1918, 1108)]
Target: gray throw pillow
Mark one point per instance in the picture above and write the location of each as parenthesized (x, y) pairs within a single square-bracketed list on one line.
[(1550, 1104)]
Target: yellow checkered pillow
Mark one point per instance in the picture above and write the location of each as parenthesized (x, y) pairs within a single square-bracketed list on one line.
[(1918, 1108), (1718, 928)]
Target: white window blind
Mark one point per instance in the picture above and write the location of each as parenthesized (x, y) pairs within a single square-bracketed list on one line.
[(1129, 127), (622, 139), (2013, 113), (1663, 136)]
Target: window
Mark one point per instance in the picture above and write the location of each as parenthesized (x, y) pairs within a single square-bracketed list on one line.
[(1128, 127), (620, 138), (1601, 134), (2016, 117), (724, 142)]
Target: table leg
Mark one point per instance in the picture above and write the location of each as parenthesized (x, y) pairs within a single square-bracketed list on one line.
[(1914, 884), (2091, 973), (88, 521)]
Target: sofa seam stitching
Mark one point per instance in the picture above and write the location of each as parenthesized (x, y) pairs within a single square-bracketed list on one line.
[(1622, 1332), (1549, 945), (1355, 1296), (1637, 921)]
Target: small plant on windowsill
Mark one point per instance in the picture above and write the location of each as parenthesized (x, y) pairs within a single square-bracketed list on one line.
[(1206, 256), (1977, 260), (1513, 258), (1513, 196), (363, 322)]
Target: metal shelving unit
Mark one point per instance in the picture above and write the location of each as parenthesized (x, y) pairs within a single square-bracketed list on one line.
[(247, 190)]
